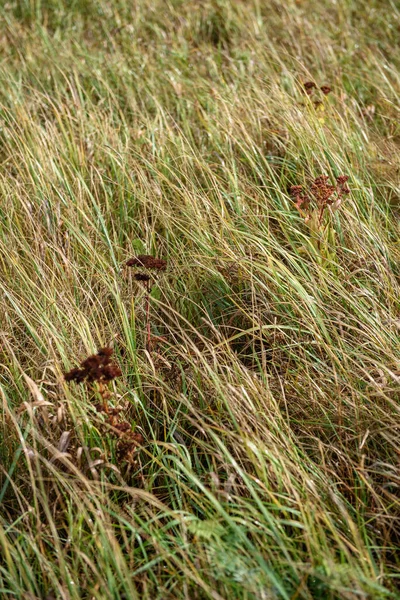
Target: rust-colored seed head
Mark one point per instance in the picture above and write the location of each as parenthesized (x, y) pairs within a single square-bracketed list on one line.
[(97, 367), (325, 89), (105, 352), (92, 362), (123, 427), (138, 261), (321, 180), (309, 87), (321, 193), (93, 374), (302, 200), (75, 375), (148, 262), (110, 372), (142, 277), (295, 190)]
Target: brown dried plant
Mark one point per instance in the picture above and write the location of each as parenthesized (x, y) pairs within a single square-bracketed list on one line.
[(152, 264), (148, 262), (99, 370), (97, 367), (311, 89), (314, 203), (319, 196)]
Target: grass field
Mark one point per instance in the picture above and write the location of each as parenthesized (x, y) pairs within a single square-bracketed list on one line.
[(260, 370)]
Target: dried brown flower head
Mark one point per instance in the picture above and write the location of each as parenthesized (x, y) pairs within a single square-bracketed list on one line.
[(97, 367), (142, 277), (148, 262), (105, 352), (123, 427), (128, 445), (110, 372), (76, 374), (322, 190), (325, 89), (321, 193), (343, 189), (309, 87)]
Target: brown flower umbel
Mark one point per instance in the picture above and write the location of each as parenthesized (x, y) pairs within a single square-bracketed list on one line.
[(122, 427), (141, 277), (309, 87), (322, 190), (148, 262), (97, 367), (341, 181), (76, 374), (320, 195), (98, 370)]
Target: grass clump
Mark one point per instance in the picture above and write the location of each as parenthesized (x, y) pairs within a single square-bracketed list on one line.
[(236, 435)]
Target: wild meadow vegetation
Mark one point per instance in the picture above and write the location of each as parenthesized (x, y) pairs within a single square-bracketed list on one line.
[(200, 299)]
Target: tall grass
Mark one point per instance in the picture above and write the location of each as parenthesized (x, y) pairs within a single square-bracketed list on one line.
[(269, 401)]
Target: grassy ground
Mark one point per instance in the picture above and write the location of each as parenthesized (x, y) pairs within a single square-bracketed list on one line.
[(269, 408)]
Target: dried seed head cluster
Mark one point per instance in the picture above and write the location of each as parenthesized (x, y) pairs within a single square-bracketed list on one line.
[(100, 368), (97, 367), (122, 427), (310, 87), (302, 199), (128, 445), (148, 262), (321, 193), (141, 277), (342, 181), (322, 190)]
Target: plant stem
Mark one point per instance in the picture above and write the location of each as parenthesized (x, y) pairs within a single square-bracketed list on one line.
[(148, 342)]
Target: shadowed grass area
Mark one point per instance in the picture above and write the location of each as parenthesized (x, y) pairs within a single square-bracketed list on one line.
[(268, 398)]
